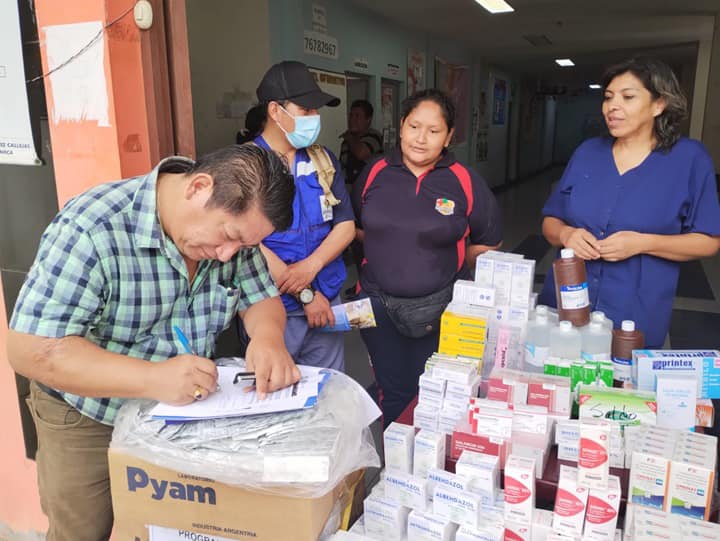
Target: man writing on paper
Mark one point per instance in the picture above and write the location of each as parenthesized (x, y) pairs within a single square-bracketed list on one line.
[(306, 260), (117, 268)]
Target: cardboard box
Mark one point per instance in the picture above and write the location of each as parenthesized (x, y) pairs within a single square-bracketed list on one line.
[(144, 494)]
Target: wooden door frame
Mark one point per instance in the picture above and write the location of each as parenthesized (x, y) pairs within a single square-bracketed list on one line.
[(166, 64)]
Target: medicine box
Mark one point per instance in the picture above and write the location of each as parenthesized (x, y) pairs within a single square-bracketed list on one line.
[(594, 456), (603, 506), (398, 440), (427, 527), (704, 365), (472, 293), (649, 475), (385, 518), (690, 489), (570, 503), (519, 489), (429, 452)]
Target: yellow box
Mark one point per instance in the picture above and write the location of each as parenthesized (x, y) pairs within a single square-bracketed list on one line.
[(453, 344), (467, 326)]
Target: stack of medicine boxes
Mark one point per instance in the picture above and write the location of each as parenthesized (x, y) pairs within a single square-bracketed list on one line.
[(418, 500), (445, 390), (671, 470), (512, 279)]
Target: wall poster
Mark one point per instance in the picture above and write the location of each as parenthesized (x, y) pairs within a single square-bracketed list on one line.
[(454, 80), (499, 101), (415, 71), (16, 140)]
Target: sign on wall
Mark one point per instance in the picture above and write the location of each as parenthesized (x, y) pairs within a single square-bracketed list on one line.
[(320, 45), (16, 141), (499, 100)]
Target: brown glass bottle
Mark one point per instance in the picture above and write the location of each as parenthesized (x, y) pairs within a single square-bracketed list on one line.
[(624, 341), (571, 288)]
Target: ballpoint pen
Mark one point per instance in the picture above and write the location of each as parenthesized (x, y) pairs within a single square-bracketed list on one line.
[(189, 350)]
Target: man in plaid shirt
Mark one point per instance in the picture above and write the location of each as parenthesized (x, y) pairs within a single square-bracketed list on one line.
[(117, 268)]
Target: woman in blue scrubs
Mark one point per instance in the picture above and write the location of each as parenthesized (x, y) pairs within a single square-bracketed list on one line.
[(636, 204)]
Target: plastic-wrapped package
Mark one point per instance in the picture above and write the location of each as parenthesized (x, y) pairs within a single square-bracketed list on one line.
[(302, 453)]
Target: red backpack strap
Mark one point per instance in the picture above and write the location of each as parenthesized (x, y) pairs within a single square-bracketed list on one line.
[(463, 176), (372, 175)]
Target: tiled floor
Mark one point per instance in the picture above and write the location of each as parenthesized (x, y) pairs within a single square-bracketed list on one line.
[(696, 318)]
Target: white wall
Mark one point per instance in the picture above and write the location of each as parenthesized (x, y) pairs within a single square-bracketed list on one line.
[(229, 53)]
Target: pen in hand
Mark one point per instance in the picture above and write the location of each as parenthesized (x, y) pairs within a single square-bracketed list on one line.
[(189, 350)]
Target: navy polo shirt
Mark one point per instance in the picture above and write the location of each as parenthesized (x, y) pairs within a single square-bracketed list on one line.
[(669, 193), (413, 225)]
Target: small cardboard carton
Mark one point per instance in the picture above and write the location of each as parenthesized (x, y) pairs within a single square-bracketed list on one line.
[(145, 495)]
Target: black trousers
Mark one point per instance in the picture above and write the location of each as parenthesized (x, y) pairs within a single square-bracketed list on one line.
[(397, 361)]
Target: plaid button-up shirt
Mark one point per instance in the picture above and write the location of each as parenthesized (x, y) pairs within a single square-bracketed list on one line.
[(105, 271)]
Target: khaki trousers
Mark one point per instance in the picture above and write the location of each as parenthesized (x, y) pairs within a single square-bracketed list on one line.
[(72, 468)]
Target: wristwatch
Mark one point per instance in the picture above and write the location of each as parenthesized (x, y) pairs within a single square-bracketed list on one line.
[(306, 295)]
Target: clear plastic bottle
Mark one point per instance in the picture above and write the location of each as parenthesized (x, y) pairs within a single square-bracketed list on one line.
[(597, 315), (596, 340), (565, 342), (541, 309), (537, 343)]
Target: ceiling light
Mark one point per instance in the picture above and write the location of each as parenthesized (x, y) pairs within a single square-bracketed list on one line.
[(564, 62), (496, 6), (595, 86)]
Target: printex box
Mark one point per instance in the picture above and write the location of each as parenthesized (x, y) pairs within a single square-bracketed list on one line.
[(149, 498), (703, 365)]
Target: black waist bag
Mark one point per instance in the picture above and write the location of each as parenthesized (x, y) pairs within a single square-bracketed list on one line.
[(416, 317)]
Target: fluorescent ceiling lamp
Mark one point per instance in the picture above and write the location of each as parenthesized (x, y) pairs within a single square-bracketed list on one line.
[(496, 6), (564, 62), (595, 86)]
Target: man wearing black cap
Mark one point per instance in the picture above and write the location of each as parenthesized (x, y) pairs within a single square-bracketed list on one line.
[(306, 260)]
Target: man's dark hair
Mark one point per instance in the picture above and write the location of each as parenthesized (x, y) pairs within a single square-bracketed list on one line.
[(436, 96), (365, 105), (247, 174), (658, 78)]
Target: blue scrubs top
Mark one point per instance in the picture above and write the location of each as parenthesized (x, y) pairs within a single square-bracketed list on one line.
[(670, 193)]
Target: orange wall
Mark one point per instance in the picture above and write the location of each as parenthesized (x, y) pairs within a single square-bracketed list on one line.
[(84, 154), (19, 502)]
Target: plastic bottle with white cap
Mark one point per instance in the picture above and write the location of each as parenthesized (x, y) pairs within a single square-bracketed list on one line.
[(537, 342), (624, 341), (600, 316), (565, 347), (596, 341)]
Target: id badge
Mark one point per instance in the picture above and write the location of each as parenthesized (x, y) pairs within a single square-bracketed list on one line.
[(326, 208)]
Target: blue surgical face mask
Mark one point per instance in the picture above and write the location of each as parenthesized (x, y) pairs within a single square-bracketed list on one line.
[(307, 129)]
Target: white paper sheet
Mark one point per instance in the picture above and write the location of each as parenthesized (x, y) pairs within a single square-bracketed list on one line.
[(236, 400)]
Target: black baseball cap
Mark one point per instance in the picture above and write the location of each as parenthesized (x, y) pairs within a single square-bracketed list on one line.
[(292, 81)]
